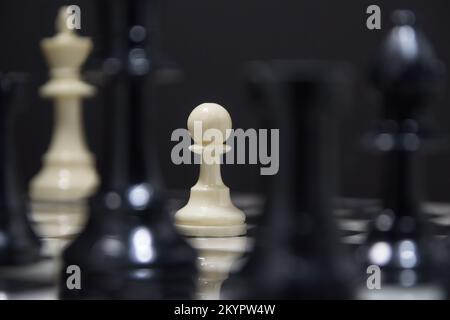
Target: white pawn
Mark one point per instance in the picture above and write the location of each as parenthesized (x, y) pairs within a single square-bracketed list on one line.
[(68, 175), (214, 226), (210, 212)]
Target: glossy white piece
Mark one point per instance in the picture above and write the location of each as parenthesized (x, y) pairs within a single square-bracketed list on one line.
[(214, 225), (68, 174), (210, 212)]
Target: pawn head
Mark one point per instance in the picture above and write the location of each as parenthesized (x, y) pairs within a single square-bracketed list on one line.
[(206, 121)]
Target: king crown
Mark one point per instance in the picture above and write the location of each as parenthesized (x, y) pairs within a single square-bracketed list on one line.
[(61, 21), (66, 50)]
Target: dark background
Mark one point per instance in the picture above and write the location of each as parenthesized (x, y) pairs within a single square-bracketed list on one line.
[(211, 41)]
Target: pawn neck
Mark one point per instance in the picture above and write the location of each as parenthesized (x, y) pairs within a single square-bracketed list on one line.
[(210, 174), (209, 187)]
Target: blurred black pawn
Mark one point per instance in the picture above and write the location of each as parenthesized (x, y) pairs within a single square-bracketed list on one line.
[(22, 271), (18, 243), (297, 253), (129, 248), (407, 75)]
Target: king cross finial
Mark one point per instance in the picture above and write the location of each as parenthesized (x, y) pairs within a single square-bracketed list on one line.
[(61, 20)]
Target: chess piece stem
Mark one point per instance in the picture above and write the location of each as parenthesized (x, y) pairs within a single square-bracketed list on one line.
[(68, 129), (210, 174)]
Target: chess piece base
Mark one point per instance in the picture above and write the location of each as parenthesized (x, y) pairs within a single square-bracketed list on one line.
[(58, 223)]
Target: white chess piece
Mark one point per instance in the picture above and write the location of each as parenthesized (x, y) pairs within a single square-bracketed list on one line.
[(210, 212), (68, 175), (215, 227)]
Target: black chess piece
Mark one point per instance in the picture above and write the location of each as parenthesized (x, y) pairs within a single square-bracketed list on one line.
[(18, 243), (297, 253), (407, 75), (130, 248)]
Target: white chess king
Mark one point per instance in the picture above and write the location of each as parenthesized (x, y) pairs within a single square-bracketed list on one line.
[(215, 227), (68, 175)]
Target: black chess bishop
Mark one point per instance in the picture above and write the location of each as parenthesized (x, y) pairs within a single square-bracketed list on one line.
[(407, 75)]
